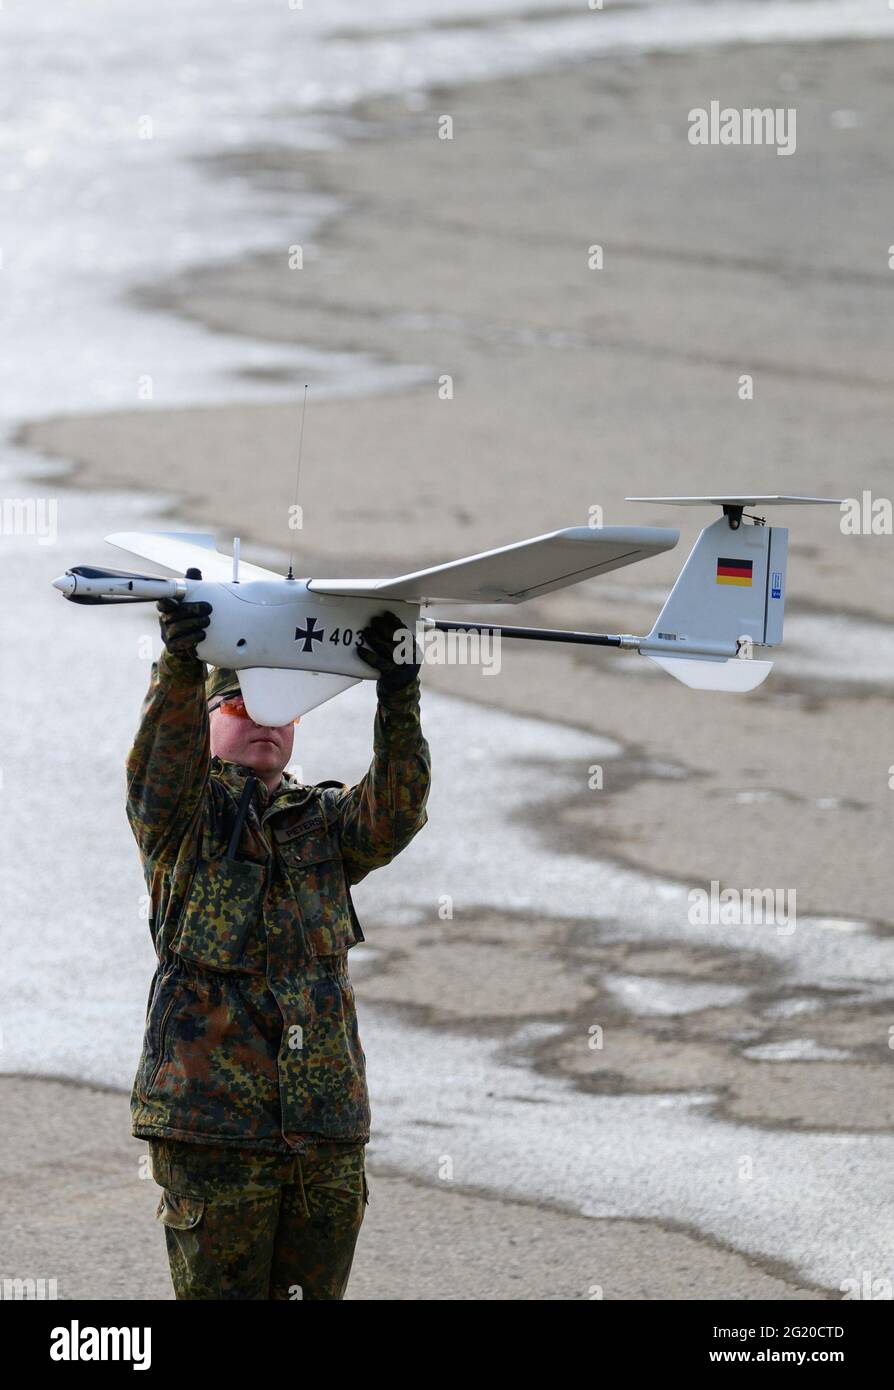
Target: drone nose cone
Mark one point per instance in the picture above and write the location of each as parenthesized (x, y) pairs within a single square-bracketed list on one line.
[(65, 584)]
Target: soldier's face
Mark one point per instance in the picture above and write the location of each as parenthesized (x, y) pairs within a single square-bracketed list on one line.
[(238, 739)]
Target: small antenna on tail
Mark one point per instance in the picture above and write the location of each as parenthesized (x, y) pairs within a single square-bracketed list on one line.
[(290, 575)]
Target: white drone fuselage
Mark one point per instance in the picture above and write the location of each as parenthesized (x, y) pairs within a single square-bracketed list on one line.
[(294, 642), (293, 649), (282, 623)]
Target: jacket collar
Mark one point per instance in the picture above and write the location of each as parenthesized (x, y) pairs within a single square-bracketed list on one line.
[(290, 791)]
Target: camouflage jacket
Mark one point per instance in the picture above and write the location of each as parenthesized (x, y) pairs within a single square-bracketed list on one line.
[(251, 1032)]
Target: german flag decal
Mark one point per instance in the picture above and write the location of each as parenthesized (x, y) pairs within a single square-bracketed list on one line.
[(734, 572)]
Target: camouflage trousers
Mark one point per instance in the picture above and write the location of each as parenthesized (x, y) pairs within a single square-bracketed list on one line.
[(245, 1224)]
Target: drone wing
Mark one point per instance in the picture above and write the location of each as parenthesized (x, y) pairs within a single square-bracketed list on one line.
[(516, 572), (182, 550)]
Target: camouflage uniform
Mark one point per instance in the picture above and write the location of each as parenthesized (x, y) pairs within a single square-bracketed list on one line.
[(251, 1044), (245, 1224)]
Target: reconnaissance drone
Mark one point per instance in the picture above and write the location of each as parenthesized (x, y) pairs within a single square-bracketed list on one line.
[(293, 641)]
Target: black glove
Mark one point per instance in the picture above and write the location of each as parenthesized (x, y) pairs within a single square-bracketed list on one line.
[(182, 625), (377, 649)]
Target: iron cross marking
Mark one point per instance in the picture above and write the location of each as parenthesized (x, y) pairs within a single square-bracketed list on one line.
[(309, 635)]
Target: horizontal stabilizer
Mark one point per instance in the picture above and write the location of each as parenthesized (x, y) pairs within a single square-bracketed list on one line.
[(733, 675), (516, 572), (183, 550), (755, 500)]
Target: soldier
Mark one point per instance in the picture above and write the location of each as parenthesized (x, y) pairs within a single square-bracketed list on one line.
[(251, 1088)]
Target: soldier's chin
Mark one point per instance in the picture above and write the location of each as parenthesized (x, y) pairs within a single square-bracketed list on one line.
[(263, 757)]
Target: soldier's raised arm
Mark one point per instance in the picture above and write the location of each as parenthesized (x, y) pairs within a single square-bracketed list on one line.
[(168, 765), (379, 816)]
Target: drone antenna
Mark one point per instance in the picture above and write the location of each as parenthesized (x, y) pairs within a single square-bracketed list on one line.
[(290, 575)]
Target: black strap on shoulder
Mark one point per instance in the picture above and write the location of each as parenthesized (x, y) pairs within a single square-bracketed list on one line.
[(242, 812)]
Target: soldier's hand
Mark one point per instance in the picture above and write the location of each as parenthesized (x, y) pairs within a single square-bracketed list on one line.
[(182, 625), (377, 649)]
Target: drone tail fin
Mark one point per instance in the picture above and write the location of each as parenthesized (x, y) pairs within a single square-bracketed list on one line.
[(728, 599)]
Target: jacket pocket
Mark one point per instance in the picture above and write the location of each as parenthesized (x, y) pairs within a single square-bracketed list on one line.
[(164, 996), (160, 1046), (308, 841), (355, 920), (311, 857), (331, 1090), (225, 901)]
